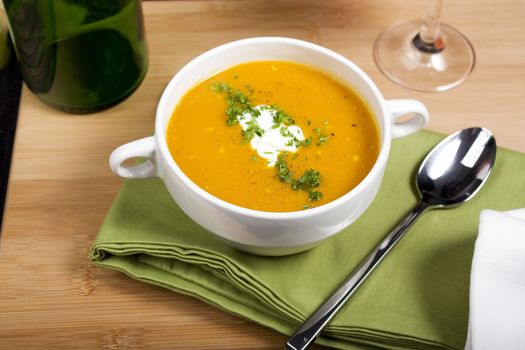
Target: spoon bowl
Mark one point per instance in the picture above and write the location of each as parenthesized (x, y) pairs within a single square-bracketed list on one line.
[(451, 174), (456, 168)]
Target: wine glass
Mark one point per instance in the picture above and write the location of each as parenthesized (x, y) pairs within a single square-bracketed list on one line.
[(429, 56)]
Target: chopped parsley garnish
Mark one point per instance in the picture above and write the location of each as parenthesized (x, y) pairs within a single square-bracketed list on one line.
[(309, 181), (238, 107), (221, 87), (252, 130), (285, 132), (283, 173), (281, 117), (321, 138), (303, 143), (237, 102), (314, 196)]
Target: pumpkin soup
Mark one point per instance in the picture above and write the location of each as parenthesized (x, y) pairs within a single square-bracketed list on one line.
[(273, 136)]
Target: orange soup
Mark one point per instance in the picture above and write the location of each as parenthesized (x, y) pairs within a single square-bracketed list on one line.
[(273, 136)]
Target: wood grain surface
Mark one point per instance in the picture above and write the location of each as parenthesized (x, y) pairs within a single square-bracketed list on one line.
[(60, 189)]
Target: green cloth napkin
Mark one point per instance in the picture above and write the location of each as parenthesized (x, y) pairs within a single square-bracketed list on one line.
[(416, 299)]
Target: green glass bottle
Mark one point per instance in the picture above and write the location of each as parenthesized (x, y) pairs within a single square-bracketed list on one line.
[(79, 56)]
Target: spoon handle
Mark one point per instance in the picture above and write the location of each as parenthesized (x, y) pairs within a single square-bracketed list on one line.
[(308, 332)]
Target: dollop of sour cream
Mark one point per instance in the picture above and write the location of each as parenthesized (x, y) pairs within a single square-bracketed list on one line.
[(275, 138)]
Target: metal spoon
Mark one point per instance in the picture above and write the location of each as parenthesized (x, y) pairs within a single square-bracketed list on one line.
[(451, 174)]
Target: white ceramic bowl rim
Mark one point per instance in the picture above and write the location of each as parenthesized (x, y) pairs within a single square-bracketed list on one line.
[(160, 133)]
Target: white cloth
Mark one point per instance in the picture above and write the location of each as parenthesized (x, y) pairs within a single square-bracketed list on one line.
[(497, 285)]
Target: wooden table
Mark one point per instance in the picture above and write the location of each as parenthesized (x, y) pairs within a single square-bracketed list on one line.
[(52, 297)]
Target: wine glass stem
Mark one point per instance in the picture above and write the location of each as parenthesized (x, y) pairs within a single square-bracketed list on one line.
[(430, 30), (428, 39)]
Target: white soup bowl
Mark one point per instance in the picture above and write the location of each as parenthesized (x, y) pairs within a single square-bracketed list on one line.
[(260, 232)]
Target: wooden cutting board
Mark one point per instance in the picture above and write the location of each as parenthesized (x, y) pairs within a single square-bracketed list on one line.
[(52, 297)]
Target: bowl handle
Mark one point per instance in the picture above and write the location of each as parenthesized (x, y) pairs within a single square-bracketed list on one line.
[(144, 148), (415, 123)]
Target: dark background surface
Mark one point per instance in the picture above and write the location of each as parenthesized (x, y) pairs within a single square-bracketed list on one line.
[(10, 88)]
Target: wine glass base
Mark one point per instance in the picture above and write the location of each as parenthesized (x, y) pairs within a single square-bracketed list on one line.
[(400, 61)]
